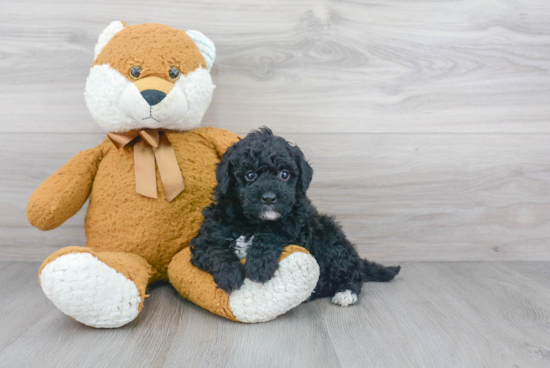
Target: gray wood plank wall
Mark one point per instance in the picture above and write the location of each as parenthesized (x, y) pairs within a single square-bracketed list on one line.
[(427, 122)]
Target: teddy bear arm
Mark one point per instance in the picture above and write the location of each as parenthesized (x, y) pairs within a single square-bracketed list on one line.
[(65, 192)]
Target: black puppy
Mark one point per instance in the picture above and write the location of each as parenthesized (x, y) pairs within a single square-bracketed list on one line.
[(260, 208)]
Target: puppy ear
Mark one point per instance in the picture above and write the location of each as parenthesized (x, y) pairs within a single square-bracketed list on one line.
[(224, 174), (306, 171)]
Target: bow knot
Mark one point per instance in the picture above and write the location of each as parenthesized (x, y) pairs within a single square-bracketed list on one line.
[(151, 145)]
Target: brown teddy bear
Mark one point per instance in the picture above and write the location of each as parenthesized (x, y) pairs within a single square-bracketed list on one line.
[(148, 182)]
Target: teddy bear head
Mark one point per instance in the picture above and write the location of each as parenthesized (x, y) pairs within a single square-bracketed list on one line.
[(150, 76)]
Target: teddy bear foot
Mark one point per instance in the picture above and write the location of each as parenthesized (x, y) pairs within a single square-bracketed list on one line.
[(291, 285), (86, 289)]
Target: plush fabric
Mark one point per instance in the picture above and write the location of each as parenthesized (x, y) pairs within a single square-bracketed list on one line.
[(104, 289), (120, 220), (112, 97), (106, 36), (154, 47), (290, 286)]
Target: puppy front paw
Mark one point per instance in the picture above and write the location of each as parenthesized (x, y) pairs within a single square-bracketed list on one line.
[(261, 269), (230, 277)]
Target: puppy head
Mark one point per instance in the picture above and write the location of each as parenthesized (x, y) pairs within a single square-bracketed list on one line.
[(265, 173), (150, 76)]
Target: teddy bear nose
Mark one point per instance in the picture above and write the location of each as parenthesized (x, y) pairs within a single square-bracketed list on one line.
[(153, 96), (269, 198)]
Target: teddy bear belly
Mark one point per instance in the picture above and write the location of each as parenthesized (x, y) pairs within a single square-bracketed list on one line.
[(120, 220), (155, 236)]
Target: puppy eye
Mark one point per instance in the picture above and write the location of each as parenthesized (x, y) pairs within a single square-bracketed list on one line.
[(284, 175), (174, 73), (250, 176), (135, 72)]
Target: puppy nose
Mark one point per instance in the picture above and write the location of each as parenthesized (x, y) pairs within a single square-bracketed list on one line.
[(153, 96), (269, 198)]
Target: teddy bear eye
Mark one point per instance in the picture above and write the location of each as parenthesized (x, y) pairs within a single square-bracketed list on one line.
[(250, 176), (135, 72), (174, 73), (284, 175)]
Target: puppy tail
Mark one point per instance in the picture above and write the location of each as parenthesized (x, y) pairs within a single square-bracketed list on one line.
[(376, 272)]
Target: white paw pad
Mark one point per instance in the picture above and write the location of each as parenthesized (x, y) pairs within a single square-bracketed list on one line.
[(89, 291), (344, 298), (291, 285)]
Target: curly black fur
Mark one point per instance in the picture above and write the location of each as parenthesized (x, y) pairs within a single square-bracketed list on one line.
[(240, 210)]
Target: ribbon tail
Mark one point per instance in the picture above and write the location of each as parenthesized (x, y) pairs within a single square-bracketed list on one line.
[(169, 169), (144, 165)]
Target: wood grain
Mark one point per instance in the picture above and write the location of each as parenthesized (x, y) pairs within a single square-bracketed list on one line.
[(399, 196), (307, 66), (439, 314)]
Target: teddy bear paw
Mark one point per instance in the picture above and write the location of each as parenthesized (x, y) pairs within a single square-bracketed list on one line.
[(89, 291)]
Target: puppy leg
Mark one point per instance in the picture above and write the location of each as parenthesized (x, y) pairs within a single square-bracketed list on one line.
[(349, 283), (340, 279), (345, 298), (348, 293), (220, 261), (343, 272), (262, 259), (364, 270)]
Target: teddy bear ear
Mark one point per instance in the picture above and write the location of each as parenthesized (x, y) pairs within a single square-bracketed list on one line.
[(206, 47), (106, 36)]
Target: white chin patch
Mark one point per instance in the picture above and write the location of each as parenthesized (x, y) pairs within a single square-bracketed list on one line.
[(344, 298), (118, 106), (270, 215)]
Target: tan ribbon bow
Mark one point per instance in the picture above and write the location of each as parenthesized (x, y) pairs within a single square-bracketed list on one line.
[(152, 144)]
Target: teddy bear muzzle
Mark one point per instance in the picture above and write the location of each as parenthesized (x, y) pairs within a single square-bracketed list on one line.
[(153, 102)]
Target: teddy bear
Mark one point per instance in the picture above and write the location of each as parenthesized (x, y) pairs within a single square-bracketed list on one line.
[(147, 184)]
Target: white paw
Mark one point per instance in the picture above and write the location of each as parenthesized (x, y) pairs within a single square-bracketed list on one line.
[(344, 298), (292, 283), (91, 292)]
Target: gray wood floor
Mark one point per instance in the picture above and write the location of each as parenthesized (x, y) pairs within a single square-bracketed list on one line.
[(462, 314)]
